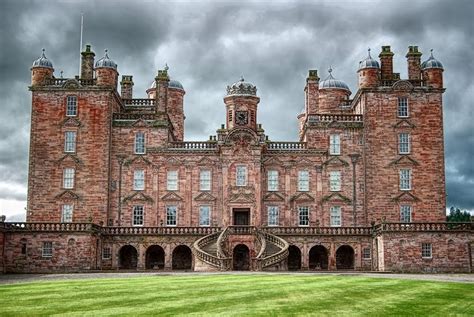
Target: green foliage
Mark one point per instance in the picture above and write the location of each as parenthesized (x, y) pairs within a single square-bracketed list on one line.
[(456, 215), (238, 295)]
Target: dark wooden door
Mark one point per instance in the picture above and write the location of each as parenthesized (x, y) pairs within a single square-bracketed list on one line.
[(242, 217)]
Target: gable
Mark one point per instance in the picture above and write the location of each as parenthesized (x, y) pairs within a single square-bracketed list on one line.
[(406, 196), (204, 196), (71, 122), (336, 197), (205, 161), (171, 196), (70, 158), (172, 161), (404, 123), (302, 197), (242, 197), (273, 196), (138, 196), (335, 161), (67, 195), (272, 161), (137, 160), (404, 160)]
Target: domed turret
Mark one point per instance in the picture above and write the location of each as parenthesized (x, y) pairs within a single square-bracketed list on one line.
[(432, 71), (106, 71), (105, 62), (332, 94), (41, 70), (172, 84), (242, 87), (332, 83), (241, 104), (43, 61), (369, 72)]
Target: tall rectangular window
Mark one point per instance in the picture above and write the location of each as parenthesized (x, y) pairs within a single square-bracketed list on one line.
[(205, 216), (68, 178), (303, 216), (71, 107), (241, 175), (405, 213), (334, 144), (404, 143), (66, 213), (139, 180), (405, 179), (366, 253), (172, 180), (273, 215), (303, 181), (426, 250), (335, 220), (47, 250), (70, 141), (171, 215), (402, 107), (139, 143), (335, 181), (272, 180), (138, 215), (205, 180), (106, 253)]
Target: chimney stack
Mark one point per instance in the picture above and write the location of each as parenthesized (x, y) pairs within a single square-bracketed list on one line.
[(414, 65), (87, 63), (386, 63), (312, 92), (126, 86)]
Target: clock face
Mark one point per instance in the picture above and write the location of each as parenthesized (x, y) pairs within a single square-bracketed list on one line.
[(241, 117)]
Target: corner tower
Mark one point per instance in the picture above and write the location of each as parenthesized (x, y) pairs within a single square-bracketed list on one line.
[(241, 105)]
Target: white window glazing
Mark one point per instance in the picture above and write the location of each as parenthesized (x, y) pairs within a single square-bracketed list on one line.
[(426, 250), (139, 180), (106, 253), (205, 180), (303, 181), (366, 253), (138, 212), (171, 215), (272, 180), (68, 178), (335, 181), (402, 107), (405, 213), (140, 143), (404, 143), (70, 141), (303, 216), (47, 250), (405, 179), (273, 215), (66, 213), (204, 216), (241, 175), (334, 144), (172, 180), (335, 220), (71, 107)]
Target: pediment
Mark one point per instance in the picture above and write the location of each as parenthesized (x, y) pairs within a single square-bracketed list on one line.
[(205, 161), (242, 197), (403, 85), (140, 123), (139, 159), (406, 196), (274, 196), (172, 161), (242, 137), (67, 195), (71, 122), (71, 84), (138, 196), (404, 160), (302, 197), (336, 197), (303, 162), (171, 196), (404, 123), (272, 161), (70, 158), (335, 161), (204, 196)]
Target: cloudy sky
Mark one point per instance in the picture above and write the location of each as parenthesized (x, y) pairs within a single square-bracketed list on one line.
[(209, 45)]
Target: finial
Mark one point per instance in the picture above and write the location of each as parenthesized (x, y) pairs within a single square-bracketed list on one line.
[(166, 67), (42, 53), (330, 70), (431, 51), (61, 74), (369, 52), (106, 53), (242, 78)]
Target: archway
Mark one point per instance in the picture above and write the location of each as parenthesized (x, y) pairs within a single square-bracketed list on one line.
[(345, 258), (318, 258), (294, 258), (155, 257), (182, 258), (241, 258), (128, 257)]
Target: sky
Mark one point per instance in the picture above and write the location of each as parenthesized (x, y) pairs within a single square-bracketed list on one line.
[(209, 45)]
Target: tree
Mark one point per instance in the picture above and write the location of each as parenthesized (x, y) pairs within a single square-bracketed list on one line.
[(456, 215)]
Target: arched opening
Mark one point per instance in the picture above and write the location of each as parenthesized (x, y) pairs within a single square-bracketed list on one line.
[(318, 258), (182, 258), (294, 258), (128, 257), (345, 258), (241, 258), (155, 257)]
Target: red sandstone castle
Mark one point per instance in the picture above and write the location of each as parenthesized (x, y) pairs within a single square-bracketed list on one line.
[(113, 185)]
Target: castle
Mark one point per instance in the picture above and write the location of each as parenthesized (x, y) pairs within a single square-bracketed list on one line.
[(113, 185)]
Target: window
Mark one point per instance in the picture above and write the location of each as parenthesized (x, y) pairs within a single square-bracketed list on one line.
[(252, 116), (47, 250), (405, 179), (66, 213), (23, 246), (241, 175), (335, 181), (71, 108), (139, 180), (230, 116), (303, 215), (106, 253), (334, 144), (273, 214), (68, 178), (172, 180), (171, 215), (70, 141), (204, 216), (303, 181), (426, 250), (404, 143), (335, 220), (138, 215), (205, 180), (366, 253), (272, 181), (140, 143), (405, 213), (402, 107)]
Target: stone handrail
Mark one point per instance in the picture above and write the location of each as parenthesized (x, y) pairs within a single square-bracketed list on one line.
[(263, 244), (335, 117), (424, 226), (134, 116), (277, 257), (245, 230), (139, 102), (51, 226), (338, 231), (287, 146), (193, 145), (204, 256), (221, 242), (62, 81), (160, 230)]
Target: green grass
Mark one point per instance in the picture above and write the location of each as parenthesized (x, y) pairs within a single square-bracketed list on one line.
[(238, 295)]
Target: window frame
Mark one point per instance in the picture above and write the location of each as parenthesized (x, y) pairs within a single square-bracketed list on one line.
[(71, 107), (424, 250), (70, 144), (404, 146), (272, 180), (205, 183), (65, 209), (302, 180), (335, 144), (335, 212), (47, 249), (139, 179), (241, 177), (106, 255), (201, 208), (301, 220), (170, 179), (69, 177), (405, 180), (366, 255), (136, 216), (403, 213), (403, 110), (139, 145), (335, 181), (273, 212), (170, 208)]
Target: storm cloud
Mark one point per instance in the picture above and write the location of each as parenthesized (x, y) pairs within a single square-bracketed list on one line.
[(209, 45)]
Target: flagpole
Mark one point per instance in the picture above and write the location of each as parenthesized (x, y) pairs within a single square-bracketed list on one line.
[(80, 44)]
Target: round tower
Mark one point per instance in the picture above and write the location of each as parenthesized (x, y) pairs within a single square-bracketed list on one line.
[(432, 72), (301, 120), (369, 72), (333, 93), (241, 104), (151, 92), (106, 72), (41, 70), (175, 108)]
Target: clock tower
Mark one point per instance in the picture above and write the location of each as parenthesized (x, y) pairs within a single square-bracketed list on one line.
[(241, 104)]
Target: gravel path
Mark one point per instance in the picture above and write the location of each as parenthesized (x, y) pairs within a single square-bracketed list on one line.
[(25, 278)]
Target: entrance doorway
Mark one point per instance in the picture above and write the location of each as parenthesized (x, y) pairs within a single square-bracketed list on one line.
[(241, 258), (182, 258), (318, 258), (128, 257), (155, 257), (241, 216), (294, 258), (345, 258)]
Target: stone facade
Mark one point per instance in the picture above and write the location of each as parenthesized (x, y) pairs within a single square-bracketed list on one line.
[(113, 185)]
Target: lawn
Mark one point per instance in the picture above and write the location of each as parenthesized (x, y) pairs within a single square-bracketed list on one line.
[(237, 295)]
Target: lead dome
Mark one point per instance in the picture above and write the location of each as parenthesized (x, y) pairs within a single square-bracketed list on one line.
[(242, 87), (332, 83), (43, 61), (171, 84), (105, 62), (431, 62), (369, 62)]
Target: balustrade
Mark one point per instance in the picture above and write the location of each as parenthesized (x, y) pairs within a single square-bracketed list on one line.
[(288, 146), (193, 145), (335, 117)]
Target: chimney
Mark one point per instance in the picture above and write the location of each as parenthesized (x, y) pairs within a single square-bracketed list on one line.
[(414, 65), (87, 63), (126, 86), (312, 92), (162, 81), (386, 63)]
